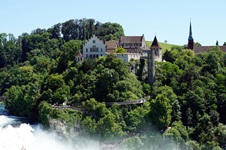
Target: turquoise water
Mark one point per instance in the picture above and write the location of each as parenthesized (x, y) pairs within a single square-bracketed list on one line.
[(2, 109)]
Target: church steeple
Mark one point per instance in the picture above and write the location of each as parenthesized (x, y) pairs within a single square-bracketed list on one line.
[(190, 33), (190, 39)]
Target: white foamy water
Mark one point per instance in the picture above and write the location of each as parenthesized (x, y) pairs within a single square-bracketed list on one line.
[(33, 137)]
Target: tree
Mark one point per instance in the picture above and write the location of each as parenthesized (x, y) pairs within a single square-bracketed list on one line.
[(21, 100), (108, 128), (95, 108), (110, 31), (53, 82), (161, 111), (146, 88), (68, 28), (224, 44), (120, 50), (167, 72), (177, 133), (220, 134), (212, 62), (55, 31), (89, 125), (198, 44), (135, 117)]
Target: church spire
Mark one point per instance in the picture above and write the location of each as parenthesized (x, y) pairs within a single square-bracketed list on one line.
[(190, 33), (190, 39)]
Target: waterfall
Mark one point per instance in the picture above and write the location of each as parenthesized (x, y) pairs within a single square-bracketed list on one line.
[(14, 135)]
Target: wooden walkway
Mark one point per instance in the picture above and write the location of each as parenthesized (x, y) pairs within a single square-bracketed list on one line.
[(108, 104), (134, 102)]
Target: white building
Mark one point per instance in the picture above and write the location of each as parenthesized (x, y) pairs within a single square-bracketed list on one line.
[(126, 57), (94, 48), (134, 45)]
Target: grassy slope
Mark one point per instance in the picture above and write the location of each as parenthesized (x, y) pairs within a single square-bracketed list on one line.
[(163, 45)]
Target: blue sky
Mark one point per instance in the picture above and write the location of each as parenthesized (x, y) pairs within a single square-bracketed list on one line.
[(168, 19)]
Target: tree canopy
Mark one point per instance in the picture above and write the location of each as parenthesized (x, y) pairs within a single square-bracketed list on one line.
[(187, 105)]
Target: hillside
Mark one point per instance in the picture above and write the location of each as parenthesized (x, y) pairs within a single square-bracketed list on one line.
[(163, 45)]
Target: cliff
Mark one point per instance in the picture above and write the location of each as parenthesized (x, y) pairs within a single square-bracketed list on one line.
[(62, 128)]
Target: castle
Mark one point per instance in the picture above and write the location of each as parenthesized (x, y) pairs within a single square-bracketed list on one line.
[(135, 47)]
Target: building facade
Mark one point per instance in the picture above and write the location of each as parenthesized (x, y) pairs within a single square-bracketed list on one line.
[(126, 57), (133, 44), (94, 48), (135, 47)]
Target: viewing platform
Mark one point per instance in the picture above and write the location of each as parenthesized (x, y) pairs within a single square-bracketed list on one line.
[(108, 104)]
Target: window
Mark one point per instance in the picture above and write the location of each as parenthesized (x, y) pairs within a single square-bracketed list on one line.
[(156, 52), (97, 49), (91, 49), (101, 49), (87, 50), (94, 48), (94, 41)]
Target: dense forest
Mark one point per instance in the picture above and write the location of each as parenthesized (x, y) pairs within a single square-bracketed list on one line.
[(186, 108)]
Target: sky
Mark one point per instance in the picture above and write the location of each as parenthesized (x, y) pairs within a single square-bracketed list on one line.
[(167, 19)]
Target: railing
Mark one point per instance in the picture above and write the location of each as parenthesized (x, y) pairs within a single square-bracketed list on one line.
[(133, 102)]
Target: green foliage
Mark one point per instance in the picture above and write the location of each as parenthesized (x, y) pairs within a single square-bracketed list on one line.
[(89, 125), (94, 107), (83, 29), (167, 72), (105, 79), (161, 111), (108, 128), (54, 82), (146, 88), (168, 92), (188, 99), (46, 112), (177, 133), (21, 100), (135, 118), (120, 50), (10, 50)]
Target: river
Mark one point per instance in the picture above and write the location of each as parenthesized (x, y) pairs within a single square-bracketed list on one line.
[(15, 134)]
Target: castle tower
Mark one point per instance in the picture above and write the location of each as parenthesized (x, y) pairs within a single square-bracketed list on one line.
[(190, 39), (154, 49)]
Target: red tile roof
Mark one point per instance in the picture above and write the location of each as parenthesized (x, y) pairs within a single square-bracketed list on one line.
[(131, 39), (111, 45), (201, 49)]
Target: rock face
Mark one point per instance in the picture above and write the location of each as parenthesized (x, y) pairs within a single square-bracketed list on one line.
[(62, 128), (2, 98)]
